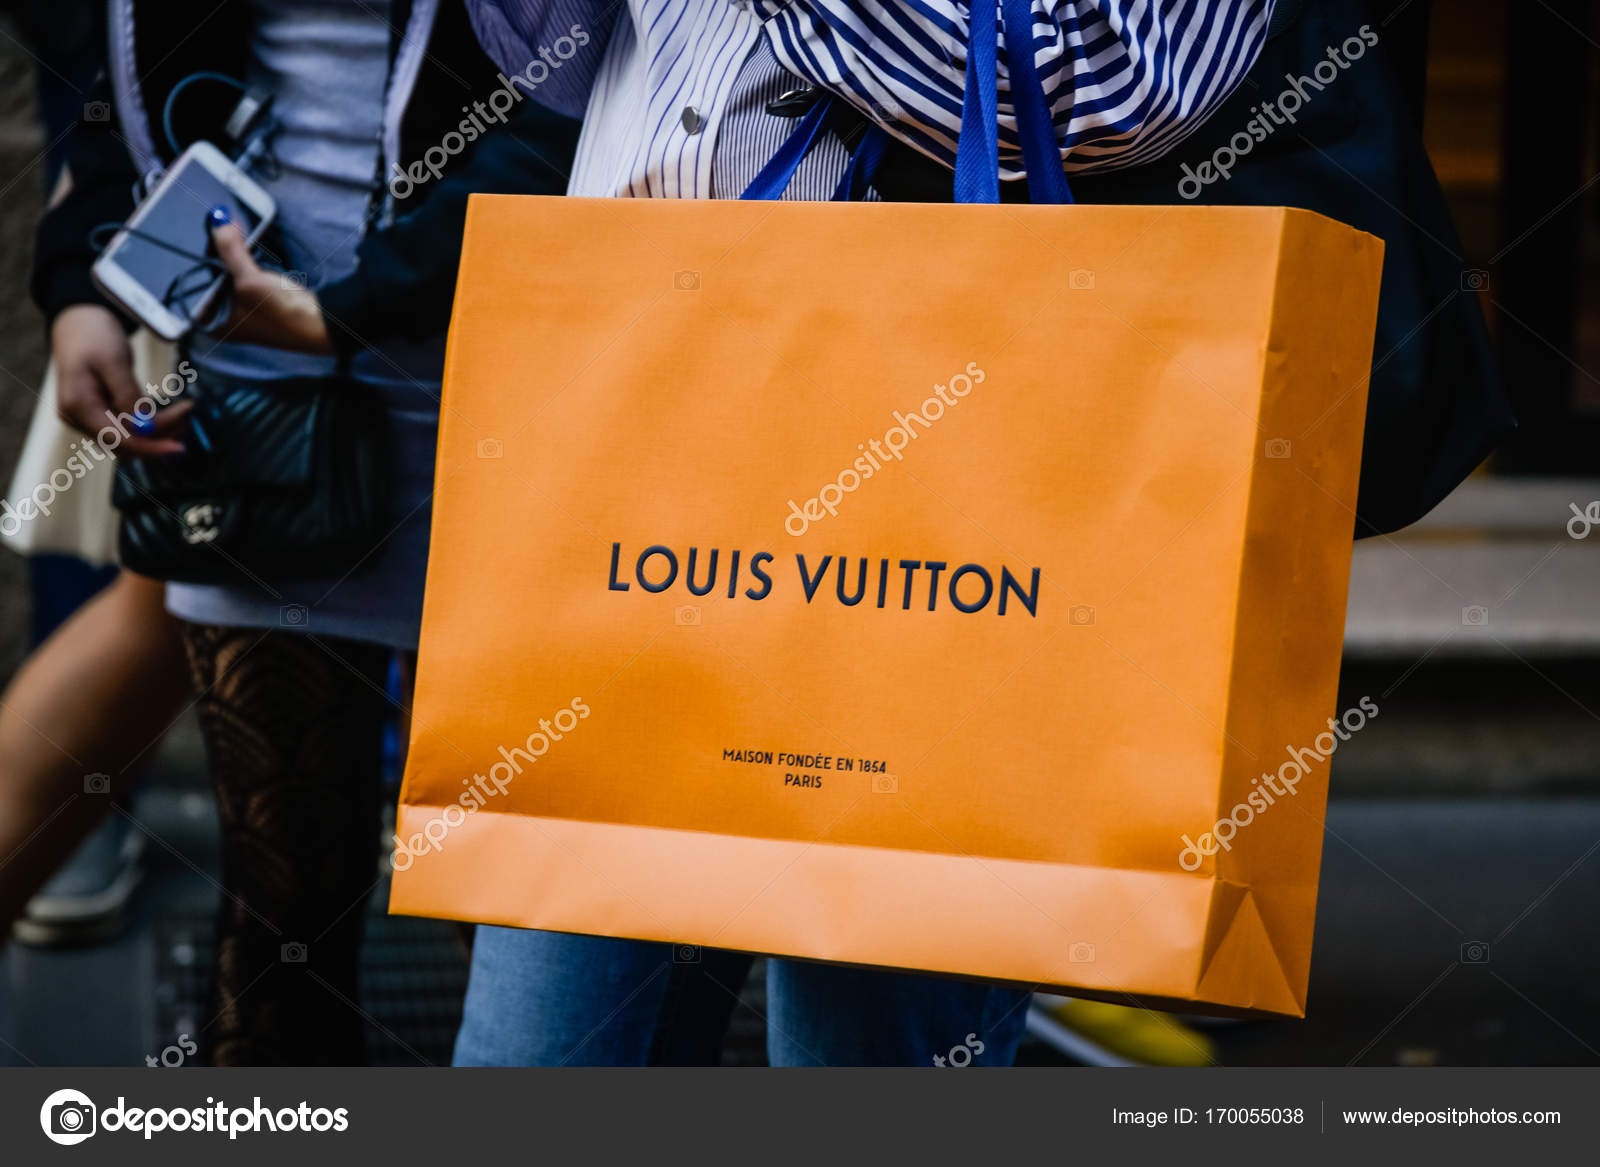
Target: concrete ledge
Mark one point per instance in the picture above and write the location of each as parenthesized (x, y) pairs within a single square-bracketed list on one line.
[(1492, 571), (1486, 505)]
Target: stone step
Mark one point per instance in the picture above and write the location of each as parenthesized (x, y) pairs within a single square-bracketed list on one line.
[(1503, 567)]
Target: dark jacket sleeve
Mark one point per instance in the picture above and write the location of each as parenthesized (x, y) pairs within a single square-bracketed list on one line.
[(103, 177), (405, 277)]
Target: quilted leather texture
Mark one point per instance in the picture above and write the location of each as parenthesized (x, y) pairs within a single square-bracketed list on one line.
[(283, 478)]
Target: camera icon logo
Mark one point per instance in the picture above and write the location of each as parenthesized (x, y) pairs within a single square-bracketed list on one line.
[(491, 448), (293, 953), (1475, 616), (686, 953), (293, 281), (1080, 279), (1081, 953), (686, 280), (885, 784), (97, 783), (294, 615), (1474, 279), (97, 111), (1081, 615), (67, 1117), (1475, 952), (1277, 448), (686, 616)]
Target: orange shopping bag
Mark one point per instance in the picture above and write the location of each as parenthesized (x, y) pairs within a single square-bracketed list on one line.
[(952, 588)]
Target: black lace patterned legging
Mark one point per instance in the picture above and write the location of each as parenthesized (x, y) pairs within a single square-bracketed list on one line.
[(293, 733)]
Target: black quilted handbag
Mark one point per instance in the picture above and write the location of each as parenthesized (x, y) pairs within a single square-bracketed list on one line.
[(283, 478)]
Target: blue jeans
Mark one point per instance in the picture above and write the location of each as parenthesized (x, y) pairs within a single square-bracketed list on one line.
[(556, 999)]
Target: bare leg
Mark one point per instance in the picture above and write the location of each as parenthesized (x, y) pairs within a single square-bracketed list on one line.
[(93, 699)]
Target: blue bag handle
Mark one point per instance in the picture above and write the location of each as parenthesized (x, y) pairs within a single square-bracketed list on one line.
[(977, 169)]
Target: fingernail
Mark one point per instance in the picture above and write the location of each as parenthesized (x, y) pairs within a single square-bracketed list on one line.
[(218, 216), (143, 426)]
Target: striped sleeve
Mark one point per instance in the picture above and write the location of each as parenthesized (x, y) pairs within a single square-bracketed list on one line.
[(1127, 80), (513, 32)]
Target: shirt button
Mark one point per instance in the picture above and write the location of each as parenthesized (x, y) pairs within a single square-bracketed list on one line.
[(692, 121)]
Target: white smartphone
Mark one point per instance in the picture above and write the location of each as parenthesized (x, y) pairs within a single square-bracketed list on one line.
[(150, 265)]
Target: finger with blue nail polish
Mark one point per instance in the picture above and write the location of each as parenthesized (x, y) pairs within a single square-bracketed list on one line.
[(218, 216)]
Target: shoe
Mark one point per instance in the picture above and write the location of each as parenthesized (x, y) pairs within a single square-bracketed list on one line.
[(1100, 1034), (86, 901)]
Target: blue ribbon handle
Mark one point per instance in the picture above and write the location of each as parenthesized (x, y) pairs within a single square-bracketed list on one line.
[(977, 169), (978, 149), (775, 176), (977, 178), (828, 113), (1047, 179)]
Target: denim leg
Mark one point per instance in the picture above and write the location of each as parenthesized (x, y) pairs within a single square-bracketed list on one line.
[(557, 999), (833, 1015)]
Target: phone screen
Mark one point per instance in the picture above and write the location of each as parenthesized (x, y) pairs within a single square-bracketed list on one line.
[(178, 217)]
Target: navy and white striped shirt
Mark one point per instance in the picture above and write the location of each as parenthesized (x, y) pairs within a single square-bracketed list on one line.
[(674, 105)]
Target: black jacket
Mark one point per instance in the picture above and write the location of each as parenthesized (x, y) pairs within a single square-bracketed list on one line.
[(406, 270)]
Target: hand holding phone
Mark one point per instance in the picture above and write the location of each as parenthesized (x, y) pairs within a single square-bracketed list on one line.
[(157, 265), (266, 307)]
